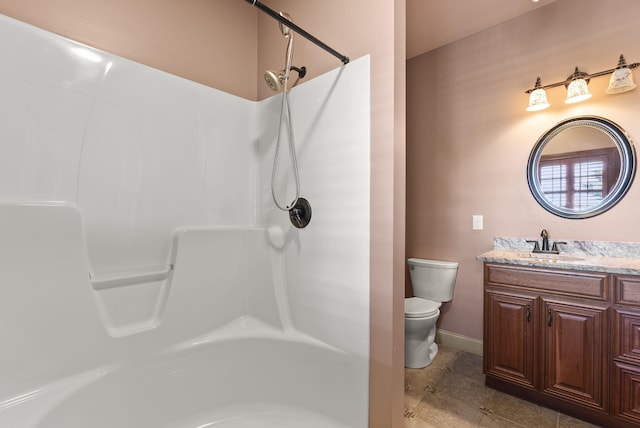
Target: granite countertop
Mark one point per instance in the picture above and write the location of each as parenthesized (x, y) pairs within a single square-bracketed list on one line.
[(589, 256)]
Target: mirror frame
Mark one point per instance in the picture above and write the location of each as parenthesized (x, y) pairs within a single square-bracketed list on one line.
[(626, 151)]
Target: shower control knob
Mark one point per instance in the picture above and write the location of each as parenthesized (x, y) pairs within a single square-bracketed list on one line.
[(300, 214)]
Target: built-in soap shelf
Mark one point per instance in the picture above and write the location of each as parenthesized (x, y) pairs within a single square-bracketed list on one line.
[(130, 277), (132, 301)]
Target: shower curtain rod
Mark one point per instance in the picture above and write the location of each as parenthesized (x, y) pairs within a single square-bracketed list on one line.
[(303, 33)]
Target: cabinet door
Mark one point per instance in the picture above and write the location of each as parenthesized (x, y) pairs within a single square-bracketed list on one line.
[(509, 345), (574, 352), (626, 397)]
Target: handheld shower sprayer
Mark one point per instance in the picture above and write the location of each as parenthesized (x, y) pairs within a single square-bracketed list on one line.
[(278, 80), (286, 31)]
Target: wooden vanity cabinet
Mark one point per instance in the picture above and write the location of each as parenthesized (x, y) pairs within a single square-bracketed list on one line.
[(566, 339)]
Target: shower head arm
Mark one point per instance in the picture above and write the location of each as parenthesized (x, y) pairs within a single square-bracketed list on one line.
[(302, 71), (276, 79), (297, 29)]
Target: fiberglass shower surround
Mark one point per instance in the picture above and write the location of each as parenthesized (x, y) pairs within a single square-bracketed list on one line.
[(148, 280)]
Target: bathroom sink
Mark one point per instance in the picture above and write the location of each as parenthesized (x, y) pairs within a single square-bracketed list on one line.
[(555, 258)]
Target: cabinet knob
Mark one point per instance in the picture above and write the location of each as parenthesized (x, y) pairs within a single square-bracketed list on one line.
[(528, 313), (549, 317)]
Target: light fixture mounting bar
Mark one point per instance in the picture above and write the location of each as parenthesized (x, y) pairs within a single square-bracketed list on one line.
[(586, 77)]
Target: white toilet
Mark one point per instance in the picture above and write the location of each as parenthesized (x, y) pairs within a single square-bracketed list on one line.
[(433, 282)]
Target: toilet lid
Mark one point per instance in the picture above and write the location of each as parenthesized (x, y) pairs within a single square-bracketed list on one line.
[(415, 307)]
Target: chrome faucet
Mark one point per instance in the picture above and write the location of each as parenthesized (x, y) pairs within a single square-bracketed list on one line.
[(545, 244)]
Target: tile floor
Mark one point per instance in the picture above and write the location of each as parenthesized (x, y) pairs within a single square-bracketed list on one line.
[(451, 393)]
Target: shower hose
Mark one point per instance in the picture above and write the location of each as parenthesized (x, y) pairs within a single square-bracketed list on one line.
[(292, 148)]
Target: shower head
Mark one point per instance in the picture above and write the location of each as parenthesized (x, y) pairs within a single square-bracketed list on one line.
[(275, 79)]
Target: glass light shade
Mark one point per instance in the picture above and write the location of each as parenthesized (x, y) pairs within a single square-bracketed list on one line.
[(621, 81), (538, 100), (577, 91)]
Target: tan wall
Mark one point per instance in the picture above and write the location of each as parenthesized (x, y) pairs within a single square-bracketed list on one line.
[(209, 42), (469, 136), (341, 25), (227, 44)]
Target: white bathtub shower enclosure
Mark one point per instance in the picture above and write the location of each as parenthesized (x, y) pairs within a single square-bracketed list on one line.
[(147, 278)]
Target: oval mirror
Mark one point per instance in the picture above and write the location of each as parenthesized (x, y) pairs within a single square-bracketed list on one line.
[(581, 167)]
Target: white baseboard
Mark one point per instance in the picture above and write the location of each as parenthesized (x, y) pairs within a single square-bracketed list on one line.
[(459, 342)]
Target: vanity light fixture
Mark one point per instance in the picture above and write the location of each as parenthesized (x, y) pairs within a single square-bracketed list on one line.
[(577, 85), (621, 79), (538, 98), (577, 89)]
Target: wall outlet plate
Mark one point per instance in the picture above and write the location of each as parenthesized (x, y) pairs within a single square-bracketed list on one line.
[(477, 222)]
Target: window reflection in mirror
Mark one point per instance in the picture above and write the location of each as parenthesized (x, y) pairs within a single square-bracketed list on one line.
[(578, 180)]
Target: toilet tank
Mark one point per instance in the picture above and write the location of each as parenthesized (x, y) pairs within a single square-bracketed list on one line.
[(433, 279)]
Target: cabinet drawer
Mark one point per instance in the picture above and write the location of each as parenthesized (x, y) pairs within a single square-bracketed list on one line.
[(627, 335), (627, 290), (585, 285)]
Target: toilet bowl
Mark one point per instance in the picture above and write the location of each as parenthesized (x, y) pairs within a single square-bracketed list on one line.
[(433, 282), (420, 316)]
